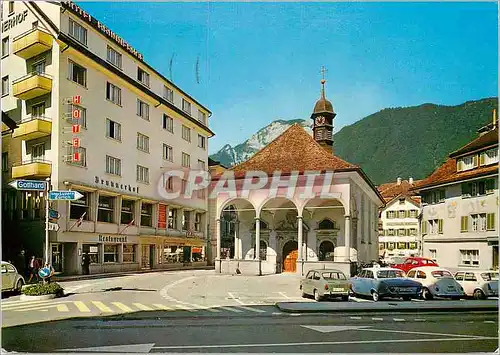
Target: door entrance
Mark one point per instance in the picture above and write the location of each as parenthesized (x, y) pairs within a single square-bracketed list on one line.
[(151, 255), (57, 257), (145, 257), (290, 254), (495, 257)]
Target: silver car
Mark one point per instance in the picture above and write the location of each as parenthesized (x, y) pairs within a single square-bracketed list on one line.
[(11, 279)]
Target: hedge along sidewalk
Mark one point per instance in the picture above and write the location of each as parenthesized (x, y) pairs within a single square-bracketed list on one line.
[(388, 306), (42, 291)]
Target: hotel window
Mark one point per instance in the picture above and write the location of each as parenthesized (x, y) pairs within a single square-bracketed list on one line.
[(142, 109), (433, 254), (146, 215), (201, 141), (168, 94), (82, 155), (5, 46), (478, 222), (186, 220), (5, 85), (401, 232), (143, 142), (413, 213), (401, 214), (391, 214), (38, 152), (469, 257), (105, 209), (80, 208), (113, 94), (436, 226), (77, 73), (183, 186), (168, 153), (38, 110), (172, 218), (38, 67), (127, 212), (200, 194), (113, 130), (168, 123), (114, 57), (489, 157), (113, 166), (390, 232), (11, 7), (110, 253), (434, 197), (201, 165), (202, 117), (402, 201), (467, 163), (5, 162), (92, 250), (186, 106), (197, 222), (186, 160), (186, 133), (142, 174), (129, 253), (142, 76), (413, 231), (83, 115), (168, 184), (78, 32)]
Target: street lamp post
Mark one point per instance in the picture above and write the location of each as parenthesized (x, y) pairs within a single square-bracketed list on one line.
[(47, 207)]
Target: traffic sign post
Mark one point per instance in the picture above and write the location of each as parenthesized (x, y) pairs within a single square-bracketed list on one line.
[(53, 226), (53, 214), (64, 196), (29, 185)]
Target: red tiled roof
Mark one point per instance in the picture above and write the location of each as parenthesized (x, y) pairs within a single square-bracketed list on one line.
[(487, 139), (293, 150), (392, 189)]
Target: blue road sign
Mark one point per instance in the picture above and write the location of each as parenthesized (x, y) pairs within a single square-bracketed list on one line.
[(29, 185), (44, 272), (64, 195), (54, 214)]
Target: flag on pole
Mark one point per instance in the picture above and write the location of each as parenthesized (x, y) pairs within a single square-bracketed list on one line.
[(128, 225), (80, 220)]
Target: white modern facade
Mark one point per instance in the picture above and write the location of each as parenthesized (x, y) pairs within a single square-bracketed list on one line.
[(61, 67), (459, 224)]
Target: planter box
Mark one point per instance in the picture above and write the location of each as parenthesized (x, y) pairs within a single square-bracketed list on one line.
[(37, 298)]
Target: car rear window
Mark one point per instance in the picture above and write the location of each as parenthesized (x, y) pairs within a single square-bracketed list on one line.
[(488, 276), (333, 276), (389, 274), (441, 273)]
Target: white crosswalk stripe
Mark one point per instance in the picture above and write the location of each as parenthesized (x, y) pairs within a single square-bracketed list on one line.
[(251, 309)]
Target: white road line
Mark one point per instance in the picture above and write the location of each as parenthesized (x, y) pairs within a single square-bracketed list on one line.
[(183, 307), (229, 309), (35, 308), (256, 310), (31, 305), (122, 306), (355, 299), (142, 307), (374, 318), (316, 343), (235, 299), (398, 319), (102, 307), (24, 303), (423, 333), (490, 321), (82, 307), (355, 318), (284, 295)]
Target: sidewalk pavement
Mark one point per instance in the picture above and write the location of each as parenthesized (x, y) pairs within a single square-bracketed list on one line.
[(389, 306), (61, 278)]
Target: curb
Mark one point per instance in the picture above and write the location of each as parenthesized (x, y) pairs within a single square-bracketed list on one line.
[(36, 298), (119, 274)]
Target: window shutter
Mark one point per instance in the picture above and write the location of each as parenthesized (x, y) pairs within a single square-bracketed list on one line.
[(460, 165), (387, 214), (424, 227), (442, 195), (490, 223), (440, 226), (474, 160), (407, 214), (482, 157), (464, 223)]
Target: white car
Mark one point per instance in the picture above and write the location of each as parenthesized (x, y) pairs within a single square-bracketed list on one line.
[(11, 280), (479, 284), (436, 282)]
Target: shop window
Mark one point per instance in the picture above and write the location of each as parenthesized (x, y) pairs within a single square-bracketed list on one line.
[(186, 220), (172, 254), (172, 218), (197, 222), (197, 254), (110, 253), (80, 208), (106, 209), (129, 253), (92, 250), (127, 213), (146, 215)]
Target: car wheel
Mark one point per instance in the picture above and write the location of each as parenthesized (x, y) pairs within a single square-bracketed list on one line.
[(426, 294), (375, 296), (317, 297), (19, 286), (479, 295)]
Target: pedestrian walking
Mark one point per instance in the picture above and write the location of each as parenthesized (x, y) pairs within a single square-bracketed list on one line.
[(86, 264), (33, 267)]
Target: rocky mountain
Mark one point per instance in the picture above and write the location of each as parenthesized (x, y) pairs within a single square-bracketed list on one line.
[(391, 143)]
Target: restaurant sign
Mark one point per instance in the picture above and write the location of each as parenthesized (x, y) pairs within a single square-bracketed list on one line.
[(101, 27), (112, 239)]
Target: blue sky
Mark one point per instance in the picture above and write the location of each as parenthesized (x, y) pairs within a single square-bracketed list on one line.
[(259, 62)]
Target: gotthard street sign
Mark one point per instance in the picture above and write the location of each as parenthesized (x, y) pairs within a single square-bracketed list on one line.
[(29, 185)]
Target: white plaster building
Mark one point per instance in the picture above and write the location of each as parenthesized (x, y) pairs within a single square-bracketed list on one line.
[(264, 234), (398, 222), (134, 125), (460, 206)]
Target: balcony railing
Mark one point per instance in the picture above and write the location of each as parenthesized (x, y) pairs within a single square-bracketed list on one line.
[(32, 43), (33, 127), (32, 85), (33, 168)]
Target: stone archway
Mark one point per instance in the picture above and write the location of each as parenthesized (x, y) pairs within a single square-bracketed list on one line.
[(290, 254), (326, 249)]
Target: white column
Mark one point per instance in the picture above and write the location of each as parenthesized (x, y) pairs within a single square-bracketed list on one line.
[(257, 239), (236, 244), (217, 233), (300, 239), (347, 238)]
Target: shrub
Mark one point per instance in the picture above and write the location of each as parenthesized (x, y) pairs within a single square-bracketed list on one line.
[(43, 289)]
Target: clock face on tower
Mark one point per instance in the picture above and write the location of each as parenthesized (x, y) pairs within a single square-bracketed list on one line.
[(320, 120)]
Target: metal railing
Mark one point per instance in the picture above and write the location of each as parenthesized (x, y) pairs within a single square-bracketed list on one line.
[(33, 160), (35, 117)]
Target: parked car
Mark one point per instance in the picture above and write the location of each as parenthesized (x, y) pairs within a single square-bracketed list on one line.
[(413, 262), (11, 279), (379, 282), (436, 282), (326, 283), (479, 284)]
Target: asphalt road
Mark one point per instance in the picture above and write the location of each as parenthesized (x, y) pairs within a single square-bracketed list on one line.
[(197, 311)]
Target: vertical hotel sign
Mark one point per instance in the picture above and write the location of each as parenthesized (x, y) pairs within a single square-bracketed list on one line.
[(101, 27), (162, 216)]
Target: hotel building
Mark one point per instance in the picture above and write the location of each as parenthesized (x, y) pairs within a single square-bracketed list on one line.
[(459, 222), (92, 116)]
